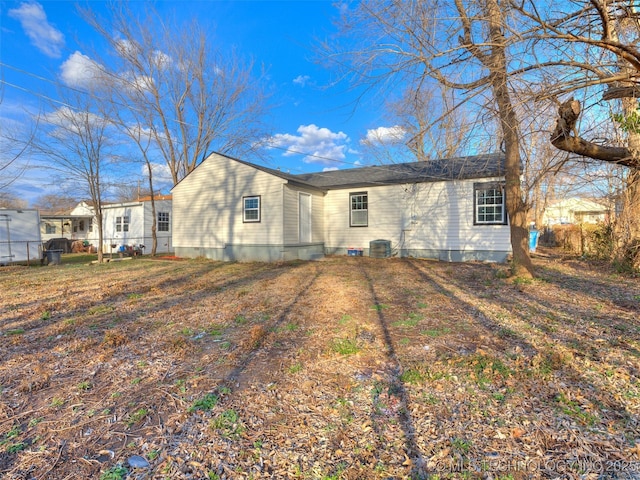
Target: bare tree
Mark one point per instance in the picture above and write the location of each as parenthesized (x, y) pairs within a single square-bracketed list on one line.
[(596, 54), (13, 146), (466, 47), (186, 96), (55, 204), (74, 143)]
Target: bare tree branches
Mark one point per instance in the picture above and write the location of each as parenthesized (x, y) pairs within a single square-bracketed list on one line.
[(189, 98)]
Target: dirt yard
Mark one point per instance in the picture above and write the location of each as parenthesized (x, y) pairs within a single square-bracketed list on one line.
[(345, 368)]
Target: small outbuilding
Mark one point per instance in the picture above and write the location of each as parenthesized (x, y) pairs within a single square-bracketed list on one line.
[(20, 239)]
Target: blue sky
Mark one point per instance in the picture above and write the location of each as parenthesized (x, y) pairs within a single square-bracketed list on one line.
[(39, 41)]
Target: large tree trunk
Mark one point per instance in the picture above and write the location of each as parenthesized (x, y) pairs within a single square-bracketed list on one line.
[(516, 206)]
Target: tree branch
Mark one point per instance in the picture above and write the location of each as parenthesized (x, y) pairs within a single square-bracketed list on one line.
[(564, 138)]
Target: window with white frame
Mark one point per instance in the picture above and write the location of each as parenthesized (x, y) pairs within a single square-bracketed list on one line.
[(359, 210), (49, 228), (163, 221), (489, 204), (251, 209), (122, 224)]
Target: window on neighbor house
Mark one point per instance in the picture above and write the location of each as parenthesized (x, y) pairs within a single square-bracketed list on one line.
[(163, 221), (49, 229), (122, 224), (489, 204), (359, 213), (251, 209)]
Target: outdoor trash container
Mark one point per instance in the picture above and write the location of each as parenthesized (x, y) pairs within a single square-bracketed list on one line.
[(53, 257), (533, 240)]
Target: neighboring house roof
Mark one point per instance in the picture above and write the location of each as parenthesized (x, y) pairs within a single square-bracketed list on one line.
[(457, 168)]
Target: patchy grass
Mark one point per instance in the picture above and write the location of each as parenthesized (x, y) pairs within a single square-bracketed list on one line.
[(345, 368)]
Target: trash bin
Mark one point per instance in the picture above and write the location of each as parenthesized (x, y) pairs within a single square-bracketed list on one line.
[(533, 239), (53, 257)]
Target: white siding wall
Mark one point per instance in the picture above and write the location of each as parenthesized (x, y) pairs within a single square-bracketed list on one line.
[(291, 215), (140, 222), (207, 206), (427, 216), (164, 238), (19, 235)]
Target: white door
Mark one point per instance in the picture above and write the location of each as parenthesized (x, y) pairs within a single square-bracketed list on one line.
[(305, 217)]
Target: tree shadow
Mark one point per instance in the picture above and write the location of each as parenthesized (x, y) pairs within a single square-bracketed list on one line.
[(397, 387)]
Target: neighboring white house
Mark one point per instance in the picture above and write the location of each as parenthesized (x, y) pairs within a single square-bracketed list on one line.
[(449, 209), (575, 210), (72, 227), (129, 224), (20, 239)]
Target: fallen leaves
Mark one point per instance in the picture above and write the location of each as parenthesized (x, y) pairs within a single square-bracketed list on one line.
[(455, 371)]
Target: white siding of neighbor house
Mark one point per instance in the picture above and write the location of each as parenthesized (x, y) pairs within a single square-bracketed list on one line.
[(207, 206), (292, 215), (20, 238), (436, 216), (140, 224)]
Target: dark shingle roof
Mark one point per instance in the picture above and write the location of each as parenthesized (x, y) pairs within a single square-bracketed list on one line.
[(457, 168), (479, 166)]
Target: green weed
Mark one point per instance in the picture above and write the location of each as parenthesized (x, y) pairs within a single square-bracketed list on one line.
[(16, 447), (379, 307), (228, 424), (412, 376), (117, 472), (136, 416), (436, 332), (411, 321), (153, 454), (345, 346), (84, 386), (295, 368), (205, 403)]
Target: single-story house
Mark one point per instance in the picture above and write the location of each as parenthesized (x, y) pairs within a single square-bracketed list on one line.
[(129, 224), (72, 227), (448, 209), (575, 210)]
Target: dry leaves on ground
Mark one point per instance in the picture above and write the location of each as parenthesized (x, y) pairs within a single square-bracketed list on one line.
[(346, 368)]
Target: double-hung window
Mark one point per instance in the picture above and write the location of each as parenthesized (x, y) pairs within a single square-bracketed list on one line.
[(359, 210), (251, 209), (163, 221), (489, 204), (122, 224)]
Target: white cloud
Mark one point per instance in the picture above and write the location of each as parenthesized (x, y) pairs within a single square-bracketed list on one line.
[(384, 135), (44, 36), (71, 121), (80, 71), (319, 145), (162, 179), (301, 80), (330, 169)]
